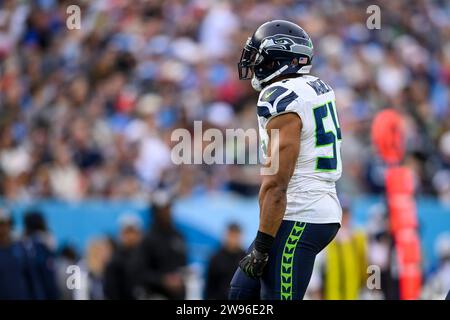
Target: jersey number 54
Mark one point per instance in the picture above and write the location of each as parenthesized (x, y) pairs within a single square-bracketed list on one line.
[(327, 138)]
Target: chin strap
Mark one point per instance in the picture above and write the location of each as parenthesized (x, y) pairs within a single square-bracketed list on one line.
[(276, 73), (257, 84)]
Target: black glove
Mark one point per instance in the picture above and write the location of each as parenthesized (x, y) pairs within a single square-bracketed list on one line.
[(253, 264)]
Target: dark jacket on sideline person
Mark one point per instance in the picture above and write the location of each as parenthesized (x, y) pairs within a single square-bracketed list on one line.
[(15, 275), (162, 252), (43, 269), (220, 271), (118, 275)]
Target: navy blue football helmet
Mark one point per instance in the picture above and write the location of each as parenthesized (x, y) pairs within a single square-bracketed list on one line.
[(276, 48)]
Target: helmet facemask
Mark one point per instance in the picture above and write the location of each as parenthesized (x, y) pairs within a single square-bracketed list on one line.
[(250, 57)]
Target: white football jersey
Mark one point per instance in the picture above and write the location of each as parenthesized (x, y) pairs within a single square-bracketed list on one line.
[(311, 194)]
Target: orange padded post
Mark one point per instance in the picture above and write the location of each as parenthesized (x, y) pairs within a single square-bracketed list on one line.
[(388, 138)]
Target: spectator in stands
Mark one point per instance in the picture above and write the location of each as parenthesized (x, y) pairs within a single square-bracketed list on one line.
[(223, 264), (118, 274), (64, 175), (161, 260)]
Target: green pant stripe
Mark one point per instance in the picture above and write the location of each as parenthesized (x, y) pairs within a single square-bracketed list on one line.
[(287, 260)]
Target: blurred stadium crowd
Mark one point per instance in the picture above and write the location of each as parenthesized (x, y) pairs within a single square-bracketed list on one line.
[(89, 112)]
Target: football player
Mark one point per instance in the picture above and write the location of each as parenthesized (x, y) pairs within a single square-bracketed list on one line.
[(299, 209)]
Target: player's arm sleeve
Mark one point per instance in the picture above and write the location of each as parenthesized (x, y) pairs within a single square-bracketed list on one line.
[(284, 146)]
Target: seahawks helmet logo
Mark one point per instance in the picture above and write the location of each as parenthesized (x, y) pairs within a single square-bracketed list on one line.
[(280, 43), (299, 45)]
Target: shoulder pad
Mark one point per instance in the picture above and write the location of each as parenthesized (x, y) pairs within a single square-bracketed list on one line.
[(274, 100)]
